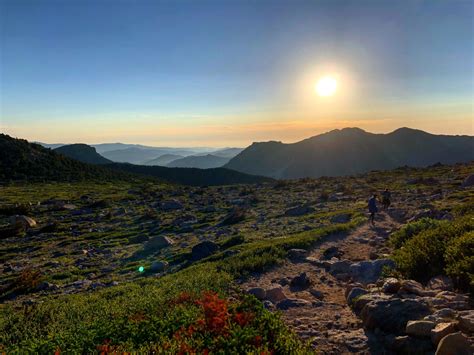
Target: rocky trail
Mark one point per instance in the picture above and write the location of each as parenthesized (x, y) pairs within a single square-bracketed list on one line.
[(314, 290)]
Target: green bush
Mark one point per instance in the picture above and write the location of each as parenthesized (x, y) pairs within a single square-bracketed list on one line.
[(398, 238), (459, 259)]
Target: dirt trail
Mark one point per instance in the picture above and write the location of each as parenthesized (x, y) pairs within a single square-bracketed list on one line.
[(327, 320)]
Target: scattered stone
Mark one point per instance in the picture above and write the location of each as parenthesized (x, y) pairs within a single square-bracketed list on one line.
[(233, 217), (258, 292), (420, 328), (339, 267), (23, 222), (47, 286), (442, 315), (466, 320), (454, 343), (275, 293), (317, 294), (297, 254), (157, 243), (341, 218), (409, 345), (392, 315), (441, 282), (299, 211), (171, 205), (369, 271), (292, 302), (441, 330), (203, 250), (301, 281), (391, 285), (158, 266), (469, 181), (355, 293), (411, 286)]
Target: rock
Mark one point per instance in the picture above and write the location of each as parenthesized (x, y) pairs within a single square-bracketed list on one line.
[(317, 294), (158, 266), (339, 267), (23, 222), (369, 271), (469, 181), (233, 217), (391, 285), (297, 254), (392, 315), (442, 315), (203, 250), (341, 218), (354, 293), (411, 286), (408, 345), (466, 320), (157, 243), (420, 328), (331, 252), (47, 286), (275, 293), (258, 292), (299, 211), (292, 302), (301, 281), (441, 283), (454, 344), (171, 205), (441, 330)]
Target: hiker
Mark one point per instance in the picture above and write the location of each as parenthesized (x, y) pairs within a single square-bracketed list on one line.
[(373, 208), (386, 196)]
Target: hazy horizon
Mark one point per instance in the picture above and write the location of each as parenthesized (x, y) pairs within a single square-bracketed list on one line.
[(209, 74)]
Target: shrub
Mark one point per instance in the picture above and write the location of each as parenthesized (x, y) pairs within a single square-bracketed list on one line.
[(232, 241), (459, 258), (398, 238)]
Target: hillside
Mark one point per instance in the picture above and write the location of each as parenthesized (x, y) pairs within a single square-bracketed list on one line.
[(83, 153), (201, 162), (192, 176), (20, 160), (140, 154), (352, 151), (163, 160)]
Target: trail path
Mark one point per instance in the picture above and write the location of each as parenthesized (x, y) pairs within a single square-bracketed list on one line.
[(327, 320)]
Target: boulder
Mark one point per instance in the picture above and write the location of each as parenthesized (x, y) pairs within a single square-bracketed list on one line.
[(408, 345), (441, 330), (354, 293), (339, 267), (420, 328), (331, 252), (297, 254), (454, 344), (341, 218), (157, 243), (466, 320), (442, 315), (299, 211), (275, 293), (391, 285), (413, 287), (158, 266), (316, 294), (171, 205), (203, 250), (392, 315), (301, 281), (292, 302), (47, 286), (258, 292), (367, 272), (469, 181), (441, 283), (22, 222)]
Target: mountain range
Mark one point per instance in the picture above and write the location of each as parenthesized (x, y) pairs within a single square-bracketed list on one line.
[(83, 153), (352, 151)]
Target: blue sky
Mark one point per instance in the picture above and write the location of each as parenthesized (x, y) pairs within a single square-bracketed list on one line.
[(220, 73)]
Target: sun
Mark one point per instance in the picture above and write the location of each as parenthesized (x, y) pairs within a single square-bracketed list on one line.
[(326, 86)]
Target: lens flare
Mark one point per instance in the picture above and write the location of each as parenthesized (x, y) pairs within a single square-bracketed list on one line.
[(326, 86), (141, 269)]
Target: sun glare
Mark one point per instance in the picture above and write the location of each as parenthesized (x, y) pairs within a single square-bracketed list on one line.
[(326, 86)]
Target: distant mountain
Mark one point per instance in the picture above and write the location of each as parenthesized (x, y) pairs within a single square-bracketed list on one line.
[(21, 160), (227, 152), (83, 153), (192, 176), (136, 155), (201, 162), (51, 146), (352, 151), (163, 160)]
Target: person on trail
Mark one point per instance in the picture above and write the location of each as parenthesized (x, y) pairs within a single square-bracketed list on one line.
[(373, 208), (386, 196)]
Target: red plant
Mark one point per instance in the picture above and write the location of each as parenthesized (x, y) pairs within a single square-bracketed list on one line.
[(243, 318), (216, 314)]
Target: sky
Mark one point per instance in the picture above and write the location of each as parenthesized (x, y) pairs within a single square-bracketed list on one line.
[(228, 73)]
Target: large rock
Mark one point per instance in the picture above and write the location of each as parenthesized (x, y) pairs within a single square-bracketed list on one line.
[(408, 345), (258, 292), (466, 320), (22, 222), (355, 293), (339, 267), (413, 287), (275, 293), (292, 302), (420, 328), (469, 181), (301, 281), (442, 315), (157, 243), (391, 285), (441, 283), (203, 250), (299, 211), (454, 344), (392, 315), (441, 330), (367, 272), (158, 266)]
